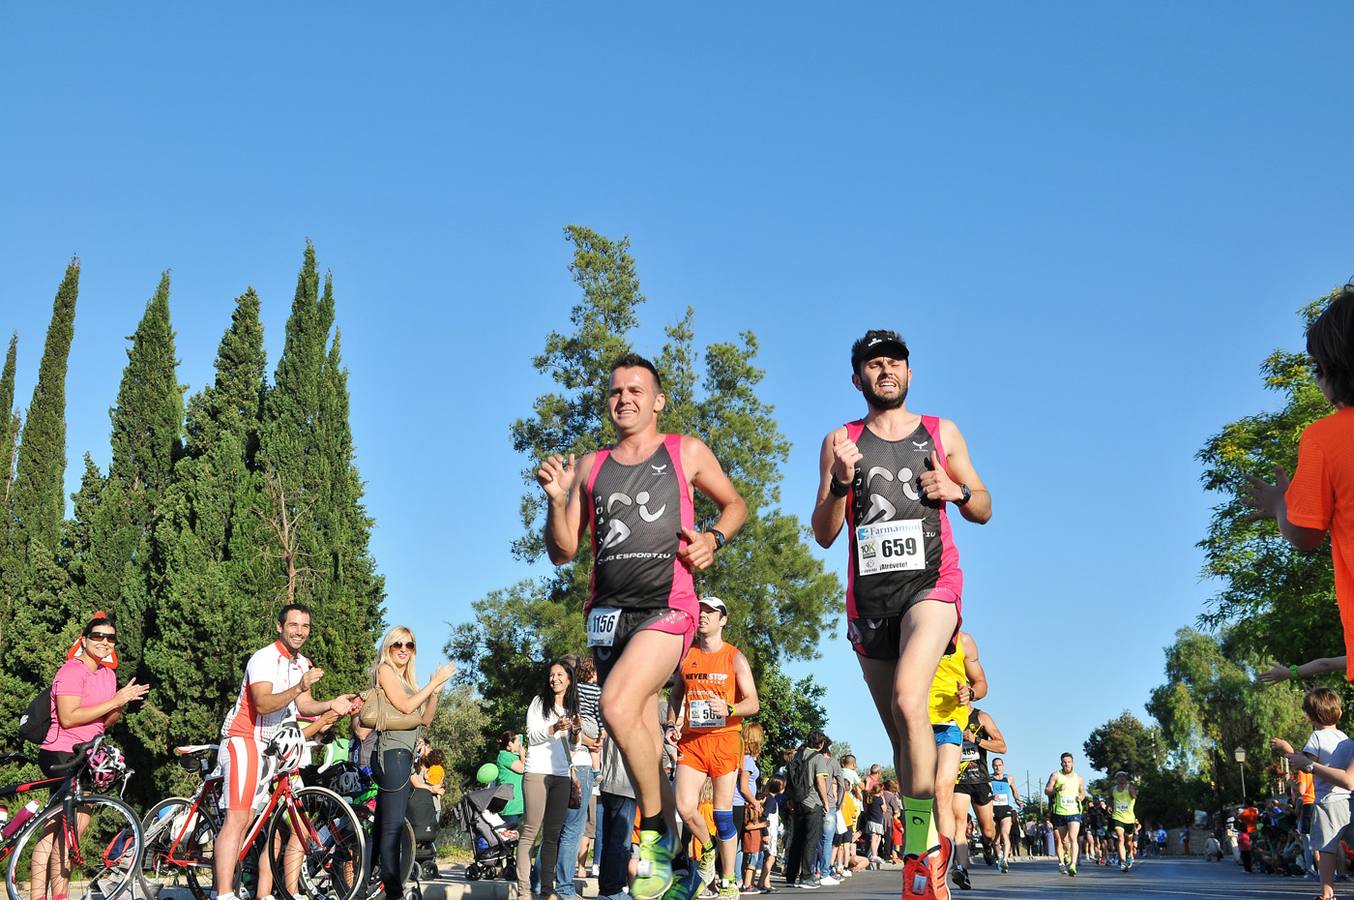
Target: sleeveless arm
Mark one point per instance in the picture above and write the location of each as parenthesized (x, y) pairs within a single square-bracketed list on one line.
[(564, 520), (960, 470), (829, 512)]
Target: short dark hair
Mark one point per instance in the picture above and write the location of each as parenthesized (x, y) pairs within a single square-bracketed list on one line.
[(815, 740), (506, 737), (291, 608), (872, 337), (1330, 344), (1067, 756), (631, 360), (102, 618)]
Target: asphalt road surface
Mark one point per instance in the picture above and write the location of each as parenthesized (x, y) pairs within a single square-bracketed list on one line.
[(1154, 879)]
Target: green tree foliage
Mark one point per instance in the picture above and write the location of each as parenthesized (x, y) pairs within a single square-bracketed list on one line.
[(791, 708), (33, 584), (460, 730), (209, 535), (1125, 743), (9, 436), (779, 595), (195, 535), (1210, 705), (318, 553), (38, 503), (1276, 601)]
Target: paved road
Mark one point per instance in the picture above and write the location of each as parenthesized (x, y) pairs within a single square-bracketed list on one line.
[(1155, 879)]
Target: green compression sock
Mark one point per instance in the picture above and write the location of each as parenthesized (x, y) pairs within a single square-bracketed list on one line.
[(919, 826)]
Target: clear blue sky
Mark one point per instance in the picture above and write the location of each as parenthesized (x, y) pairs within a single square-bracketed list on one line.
[(1091, 224)]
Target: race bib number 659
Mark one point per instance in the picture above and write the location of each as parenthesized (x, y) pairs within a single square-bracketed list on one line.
[(890, 547)]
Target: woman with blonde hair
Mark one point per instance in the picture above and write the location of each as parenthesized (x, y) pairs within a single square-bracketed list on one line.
[(402, 709)]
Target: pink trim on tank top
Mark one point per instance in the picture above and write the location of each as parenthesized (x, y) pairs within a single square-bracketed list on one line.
[(683, 594), (949, 586)]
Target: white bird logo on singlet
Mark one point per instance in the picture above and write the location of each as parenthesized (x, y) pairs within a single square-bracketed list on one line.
[(881, 509), (920, 445)]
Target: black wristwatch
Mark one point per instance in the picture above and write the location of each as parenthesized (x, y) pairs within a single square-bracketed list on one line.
[(968, 495), (720, 539), (837, 489)]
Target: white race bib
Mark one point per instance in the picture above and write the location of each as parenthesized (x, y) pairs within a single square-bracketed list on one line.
[(699, 715), (969, 753), (890, 547), (602, 627), (999, 799), (1121, 806)]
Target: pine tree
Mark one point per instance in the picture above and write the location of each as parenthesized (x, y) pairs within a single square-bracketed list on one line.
[(38, 502)]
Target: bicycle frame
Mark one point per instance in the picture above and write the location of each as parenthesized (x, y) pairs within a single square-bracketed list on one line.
[(66, 792)]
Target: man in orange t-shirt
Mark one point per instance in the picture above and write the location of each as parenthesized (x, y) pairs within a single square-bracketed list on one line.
[(1320, 498)]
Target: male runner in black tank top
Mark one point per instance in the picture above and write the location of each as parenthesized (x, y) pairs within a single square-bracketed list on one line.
[(900, 638), (635, 498), (981, 736)]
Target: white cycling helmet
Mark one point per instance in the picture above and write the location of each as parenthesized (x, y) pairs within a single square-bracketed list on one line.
[(106, 765), (287, 746)]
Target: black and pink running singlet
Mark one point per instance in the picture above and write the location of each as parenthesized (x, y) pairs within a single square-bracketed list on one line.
[(637, 514), (901, 545)]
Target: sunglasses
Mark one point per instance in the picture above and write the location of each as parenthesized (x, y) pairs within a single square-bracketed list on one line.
[(106, 636), (400, 645)]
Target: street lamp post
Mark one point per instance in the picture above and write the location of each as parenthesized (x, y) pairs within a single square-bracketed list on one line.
[(1240, 756)]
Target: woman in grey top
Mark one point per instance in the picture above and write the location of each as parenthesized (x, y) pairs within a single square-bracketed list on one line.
[(393, 758)]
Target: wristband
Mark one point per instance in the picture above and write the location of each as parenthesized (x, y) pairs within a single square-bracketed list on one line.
[(720, 539), (837, 489), (1293, 672)]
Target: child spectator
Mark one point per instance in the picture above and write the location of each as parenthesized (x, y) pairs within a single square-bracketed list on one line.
[(1328, 746), (773, 799), (754, 842), (589, 698)]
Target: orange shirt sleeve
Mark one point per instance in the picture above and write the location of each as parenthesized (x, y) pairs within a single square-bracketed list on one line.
[(1311, 495)]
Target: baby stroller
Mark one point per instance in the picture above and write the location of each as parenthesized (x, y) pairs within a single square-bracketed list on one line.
[(422, 817), (495, 843)]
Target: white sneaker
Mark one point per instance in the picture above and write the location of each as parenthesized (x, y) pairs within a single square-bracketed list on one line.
[(828, 880)]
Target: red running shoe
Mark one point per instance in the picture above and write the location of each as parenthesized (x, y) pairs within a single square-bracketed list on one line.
[(926, 877)]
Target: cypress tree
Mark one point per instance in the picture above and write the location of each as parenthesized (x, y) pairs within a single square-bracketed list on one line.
[(9, 437), (207, 542), (38, 502), (148, 417), (318, 554)]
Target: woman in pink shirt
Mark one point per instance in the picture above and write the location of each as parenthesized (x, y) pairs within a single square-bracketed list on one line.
[(85, 701)]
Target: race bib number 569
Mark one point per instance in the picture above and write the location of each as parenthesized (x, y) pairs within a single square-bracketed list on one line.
[(890, 547)]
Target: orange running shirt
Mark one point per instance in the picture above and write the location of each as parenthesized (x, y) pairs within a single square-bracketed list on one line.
[(1321, 496), (706, 676), (1307, 785)]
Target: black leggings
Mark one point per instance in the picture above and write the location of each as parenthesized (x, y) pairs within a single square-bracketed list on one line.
[(391, 770)]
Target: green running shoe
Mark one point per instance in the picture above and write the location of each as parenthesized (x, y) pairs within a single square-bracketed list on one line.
[(709, 856), (653, 872)]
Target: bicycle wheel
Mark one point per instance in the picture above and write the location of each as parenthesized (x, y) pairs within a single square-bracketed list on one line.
[(316, 848), (102, 851), (179, 848)]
